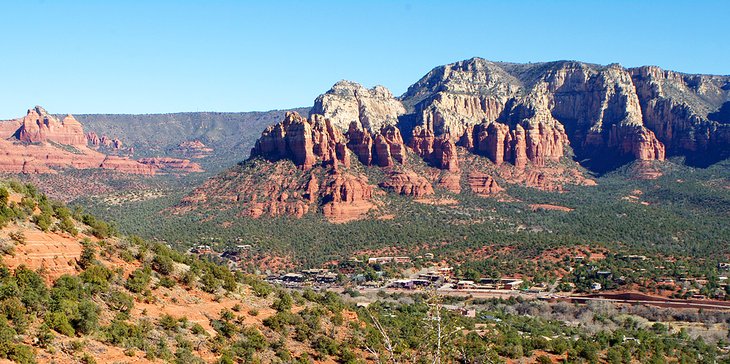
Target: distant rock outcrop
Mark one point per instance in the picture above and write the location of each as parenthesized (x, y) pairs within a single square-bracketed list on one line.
[(440, 151), (303, 141), (40, 143), (385, 149), (174, 165), (193, 149), (38, 126), (408, 183), (104, 141), (529, 112), (685, 111)]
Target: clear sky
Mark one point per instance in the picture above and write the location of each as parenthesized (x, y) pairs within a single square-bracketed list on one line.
[(169, 56)]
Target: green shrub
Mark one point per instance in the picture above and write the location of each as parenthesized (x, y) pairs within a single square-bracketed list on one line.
[(139, 280), (163, 264), (120, 301)]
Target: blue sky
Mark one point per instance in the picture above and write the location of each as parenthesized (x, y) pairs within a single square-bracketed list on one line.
[(169, 56)]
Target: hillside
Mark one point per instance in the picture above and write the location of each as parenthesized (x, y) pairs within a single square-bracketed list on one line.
[(72, 290), (75, 291)]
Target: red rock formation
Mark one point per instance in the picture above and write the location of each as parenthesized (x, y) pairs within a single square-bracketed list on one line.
[(361, 143), (385, 149), (172, 164), (389, 147), (494, 141), (637, 141), (93, 139), (348, 198), (104, 141), (441, 151), (38, 127), (32, 153), (519, 148), (303, 141), (483, 184), (193, 149), (310, 193), (126, 165), (408, 183), (450, 182)]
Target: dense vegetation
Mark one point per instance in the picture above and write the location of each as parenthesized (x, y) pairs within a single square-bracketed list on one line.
[(99, 303), (683, 213)]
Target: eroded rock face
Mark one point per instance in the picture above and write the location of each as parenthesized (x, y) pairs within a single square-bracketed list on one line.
[(685, 111), (483, 184), (281, 189), (38, 127), (347, 198), (349, 102), (193, 149), (41, 143), (174, 165), (518, 113), (543, 142), (440, 151), (104, 141), (385, 149), (408, 183), (304, 141), (127, 165)]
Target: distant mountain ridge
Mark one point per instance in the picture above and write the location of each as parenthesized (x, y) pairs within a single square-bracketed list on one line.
[(526, 119)]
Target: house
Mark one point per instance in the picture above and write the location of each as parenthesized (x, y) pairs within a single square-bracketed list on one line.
[(465, 284), (201, 249), (380, 260), (293, 277), (314, 272), (501, 283), (723, 266), (432, 277), (421, 282), (468, 312), (403, 283), (326, 277)]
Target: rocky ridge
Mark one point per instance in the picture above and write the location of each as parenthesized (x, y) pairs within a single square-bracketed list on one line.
[(526, 119), (349, 103), (41, 143)]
